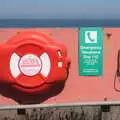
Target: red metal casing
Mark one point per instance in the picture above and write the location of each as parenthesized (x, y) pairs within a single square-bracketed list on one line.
[(31, 62)]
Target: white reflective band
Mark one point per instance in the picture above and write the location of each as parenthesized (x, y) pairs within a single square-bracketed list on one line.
[(59, 64), (59, 53), (45, 64), (14, 65)]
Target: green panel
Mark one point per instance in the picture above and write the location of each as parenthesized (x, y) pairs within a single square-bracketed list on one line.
[(90, 51)]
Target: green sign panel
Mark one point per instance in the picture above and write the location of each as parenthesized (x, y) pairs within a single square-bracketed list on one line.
[(90, 51)]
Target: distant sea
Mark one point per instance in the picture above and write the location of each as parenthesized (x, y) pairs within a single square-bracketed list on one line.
[(5, 23)]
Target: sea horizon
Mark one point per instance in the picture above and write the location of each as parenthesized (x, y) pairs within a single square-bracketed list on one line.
[(19, 22)]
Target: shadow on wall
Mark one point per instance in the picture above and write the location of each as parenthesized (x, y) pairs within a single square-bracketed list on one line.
[(26, 98)]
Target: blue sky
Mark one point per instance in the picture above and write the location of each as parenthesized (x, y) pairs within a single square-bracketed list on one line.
[(71, 9)]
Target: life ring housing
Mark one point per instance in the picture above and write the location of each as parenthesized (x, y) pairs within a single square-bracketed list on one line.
[(31, 62)]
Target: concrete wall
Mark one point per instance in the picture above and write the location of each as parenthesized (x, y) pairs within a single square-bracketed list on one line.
[(69, 113)]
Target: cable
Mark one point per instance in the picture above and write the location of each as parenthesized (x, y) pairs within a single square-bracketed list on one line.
[(115, 78), (117, 71)]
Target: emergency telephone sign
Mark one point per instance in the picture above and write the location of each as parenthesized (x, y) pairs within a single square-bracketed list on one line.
[(90, 51)]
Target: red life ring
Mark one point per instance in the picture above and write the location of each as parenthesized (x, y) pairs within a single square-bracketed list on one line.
[(31, 62)]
